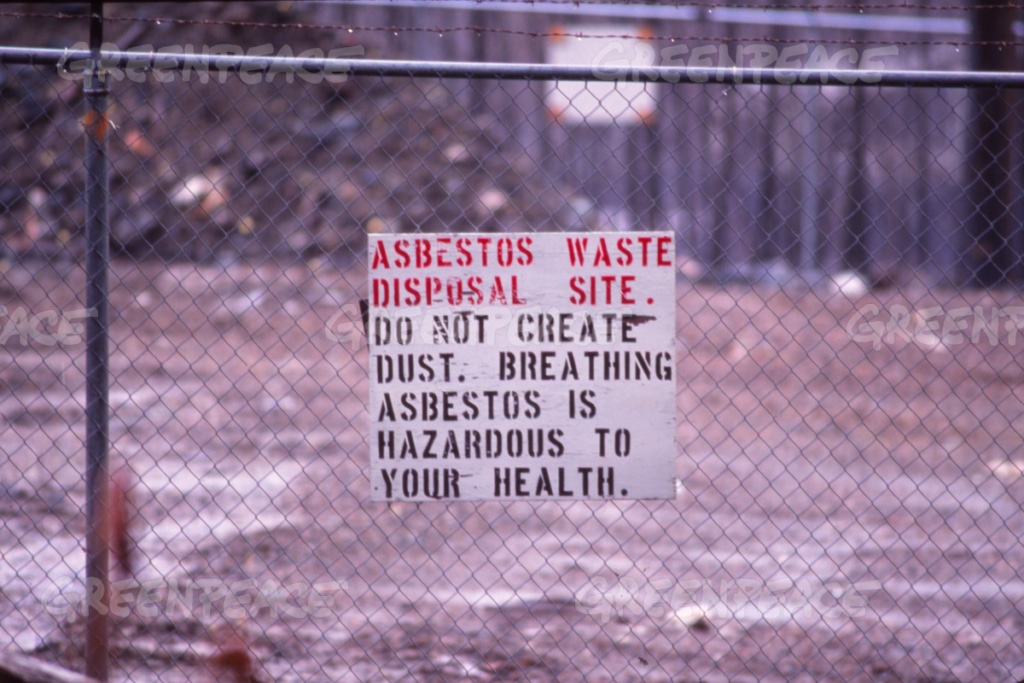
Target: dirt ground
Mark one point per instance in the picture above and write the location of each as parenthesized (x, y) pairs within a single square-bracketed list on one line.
[(846, 512)]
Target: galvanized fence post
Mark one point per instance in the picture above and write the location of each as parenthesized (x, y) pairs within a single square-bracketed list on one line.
[(97, 409)]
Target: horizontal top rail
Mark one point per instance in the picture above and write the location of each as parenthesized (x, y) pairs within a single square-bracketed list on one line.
[(135, 63)]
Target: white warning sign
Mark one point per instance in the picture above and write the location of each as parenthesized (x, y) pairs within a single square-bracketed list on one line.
[(522, 366)]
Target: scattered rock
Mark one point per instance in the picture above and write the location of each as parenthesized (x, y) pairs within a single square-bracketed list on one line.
[(849, 283)]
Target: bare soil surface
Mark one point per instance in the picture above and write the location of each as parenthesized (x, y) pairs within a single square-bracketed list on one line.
[(846, 512)]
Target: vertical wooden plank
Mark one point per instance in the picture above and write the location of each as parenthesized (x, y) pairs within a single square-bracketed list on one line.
[(607, 159), (899, 138), (720, 144), (645, 187), (670, 155), (745, 170), (855, 237), (931, 224), (791, 148), (920, 251), (834, 162), (993, 257), (691, 105), (772, 240), (531, 121), (768, 242), (811, 175), (953, 241), (486, 94)]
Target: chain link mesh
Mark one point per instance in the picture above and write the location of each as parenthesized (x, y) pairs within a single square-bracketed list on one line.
[(849, 401)]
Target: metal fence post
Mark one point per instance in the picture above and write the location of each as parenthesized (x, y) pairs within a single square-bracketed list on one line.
[(96, 410)]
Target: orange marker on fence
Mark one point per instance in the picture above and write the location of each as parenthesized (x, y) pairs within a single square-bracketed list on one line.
[(119, 513), (233, 660)]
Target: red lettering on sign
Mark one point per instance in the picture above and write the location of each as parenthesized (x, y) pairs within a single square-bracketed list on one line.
[(594, 290), (644, 251), (395, 292), (442, 252)]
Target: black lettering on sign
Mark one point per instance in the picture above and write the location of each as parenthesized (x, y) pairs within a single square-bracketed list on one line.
[(469, 444), (436, 483), (553, 482), (610, 366)]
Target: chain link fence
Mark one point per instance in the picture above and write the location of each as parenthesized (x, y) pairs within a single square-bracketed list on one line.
[(849, 404)]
